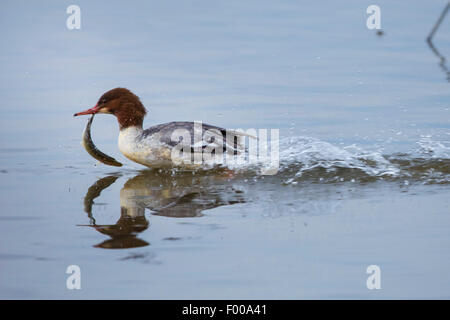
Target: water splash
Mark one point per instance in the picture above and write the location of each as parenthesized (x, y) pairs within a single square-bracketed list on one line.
[(433, 149), (310, 159)]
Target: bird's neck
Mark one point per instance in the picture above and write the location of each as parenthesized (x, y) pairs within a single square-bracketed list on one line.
[(130, 134), (129, 143), (128, 119)]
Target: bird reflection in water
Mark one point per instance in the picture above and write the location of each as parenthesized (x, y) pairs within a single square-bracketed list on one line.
[(178, 196)]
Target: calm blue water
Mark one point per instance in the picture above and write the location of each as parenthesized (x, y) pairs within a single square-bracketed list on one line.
[(365, 151)]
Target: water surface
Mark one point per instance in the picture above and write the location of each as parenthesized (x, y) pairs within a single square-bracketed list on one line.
[(364, 153)]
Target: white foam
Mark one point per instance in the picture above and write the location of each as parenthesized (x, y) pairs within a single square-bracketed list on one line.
[(433, 149), (312, 153)]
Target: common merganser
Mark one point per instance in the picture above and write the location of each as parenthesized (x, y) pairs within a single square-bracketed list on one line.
[(153, 147)]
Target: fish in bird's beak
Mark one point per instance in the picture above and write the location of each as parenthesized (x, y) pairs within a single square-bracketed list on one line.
[(92, 110)]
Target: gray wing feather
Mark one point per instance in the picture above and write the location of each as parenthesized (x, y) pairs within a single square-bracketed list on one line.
[(165, 131)]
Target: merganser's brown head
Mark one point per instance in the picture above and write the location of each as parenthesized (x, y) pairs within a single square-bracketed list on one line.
[(122, 103)]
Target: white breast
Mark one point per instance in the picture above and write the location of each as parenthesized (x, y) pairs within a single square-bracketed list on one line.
[(148, 152)]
